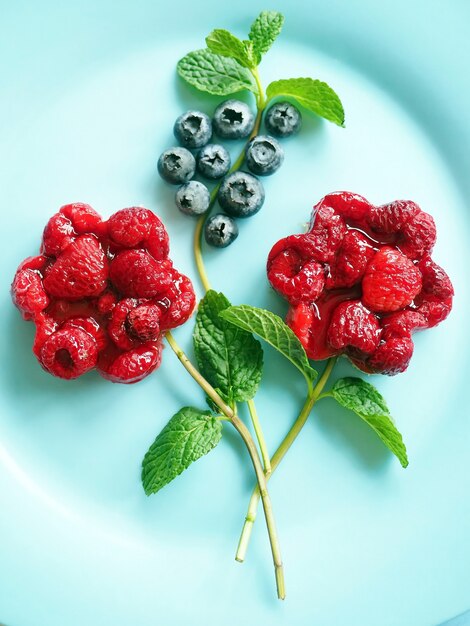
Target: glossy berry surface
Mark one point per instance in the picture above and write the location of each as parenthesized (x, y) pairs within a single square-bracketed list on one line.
[(233, 119), (193, 198), (177, 165), (193, 129), (220, 230), (241, 194), (283, 119), (361, 281), (102, 293), (264, 155), (213, 161)]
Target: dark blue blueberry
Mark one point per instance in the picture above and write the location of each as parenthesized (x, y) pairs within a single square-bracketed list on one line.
[(213, 161), (193, 129), (193, 198), (283, 119), (177, 165), (264, 155), (241, 194), (220, 230), (233, 119)]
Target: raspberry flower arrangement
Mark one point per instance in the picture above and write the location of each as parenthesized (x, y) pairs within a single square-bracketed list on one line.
[(104, 294)]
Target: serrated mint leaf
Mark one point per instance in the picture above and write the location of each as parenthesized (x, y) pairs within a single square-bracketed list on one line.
[(230, 358), (264, 31), (224, 43), (216, 74), (312, 94), (274, 331), (363, 399), (189, 434)]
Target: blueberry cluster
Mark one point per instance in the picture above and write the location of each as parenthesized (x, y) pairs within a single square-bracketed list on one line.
[(240, 194)]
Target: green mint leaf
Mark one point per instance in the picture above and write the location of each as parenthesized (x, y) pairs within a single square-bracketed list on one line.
[(274, 331), (363, 399), (312, 94), (189, 435), (264, 31), (224, 43), (216, 74), (230, 358)]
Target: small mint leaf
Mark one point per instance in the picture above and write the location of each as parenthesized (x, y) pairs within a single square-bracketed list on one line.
[(216, 74), (274, 331), (264, 31), (224, 43), (189, 435), (231, 359), (312, 94), (363, 399)]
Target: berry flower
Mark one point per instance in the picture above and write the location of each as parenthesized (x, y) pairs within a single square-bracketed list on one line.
[(361, 281), (102, 293)]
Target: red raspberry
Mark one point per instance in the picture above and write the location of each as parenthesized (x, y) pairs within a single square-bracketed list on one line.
[(353, 326), (392, 357), (69, 353), (435, 280), (58, 234), (106, 302), (28, 293), (91, 326), (419, 235), (294, 279), (158, 243), (391, 218), (350, 206), (136, 226), (390, 282), (134, 365), (326, 233), (402, 324), (178, 302), (144, 322), (136, 274), (84, 218), (80, 271), (118, 328), (348, 268)]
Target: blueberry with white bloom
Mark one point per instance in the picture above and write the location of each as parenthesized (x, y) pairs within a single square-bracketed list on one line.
[(213, 161), (283, 119), (193, 198), (233, 119), (220, 230), (264, 155), (193, 129), (241, 194), (177, 165)]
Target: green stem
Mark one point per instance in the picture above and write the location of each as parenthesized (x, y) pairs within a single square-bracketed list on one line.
[(279, 455), (259, 436), (252, 451)]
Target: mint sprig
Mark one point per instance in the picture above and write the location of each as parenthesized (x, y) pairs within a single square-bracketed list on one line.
[(228, 357), (229, 65), (313, 95), (365, 400), (272, 329), (189, 435), (216, 74), (264, 31)]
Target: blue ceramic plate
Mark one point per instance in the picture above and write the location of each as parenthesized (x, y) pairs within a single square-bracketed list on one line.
[(88, 99)]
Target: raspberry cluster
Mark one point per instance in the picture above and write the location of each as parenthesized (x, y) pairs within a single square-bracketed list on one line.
[(102, 293), (361, 280)]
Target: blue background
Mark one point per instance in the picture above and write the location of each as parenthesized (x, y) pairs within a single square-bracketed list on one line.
[(88, 96)]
